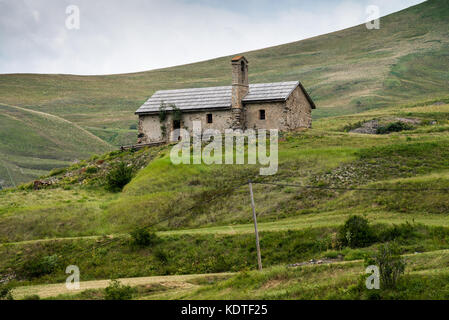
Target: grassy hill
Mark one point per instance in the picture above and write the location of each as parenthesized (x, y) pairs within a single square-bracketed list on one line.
[(32, 143), (348, 71)]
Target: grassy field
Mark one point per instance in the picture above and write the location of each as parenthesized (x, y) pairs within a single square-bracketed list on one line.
[(346, 72)]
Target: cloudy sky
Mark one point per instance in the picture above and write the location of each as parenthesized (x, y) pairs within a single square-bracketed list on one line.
[(117, 36)]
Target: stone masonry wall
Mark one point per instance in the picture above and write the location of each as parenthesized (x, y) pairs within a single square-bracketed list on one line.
[(150, 127), (298, 110), (275, 116)]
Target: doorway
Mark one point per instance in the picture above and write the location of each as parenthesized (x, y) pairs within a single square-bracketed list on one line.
[(176, 126)]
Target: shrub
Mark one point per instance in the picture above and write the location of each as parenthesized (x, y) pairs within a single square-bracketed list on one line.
[(118, 291), (40, 266), (119, 177), (161, 256), (32, 297), (142, 237), (356, 233), (5, 292), (391, 265), (394, 127)]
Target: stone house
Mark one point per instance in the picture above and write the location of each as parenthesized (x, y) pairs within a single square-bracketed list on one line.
[(283, 106)]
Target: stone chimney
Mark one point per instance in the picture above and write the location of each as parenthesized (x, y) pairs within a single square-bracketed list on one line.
[(239, 90)]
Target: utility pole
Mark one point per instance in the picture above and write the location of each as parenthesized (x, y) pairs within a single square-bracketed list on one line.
[(259, 258)]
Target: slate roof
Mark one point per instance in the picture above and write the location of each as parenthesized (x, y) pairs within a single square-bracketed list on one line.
[(219, 97)]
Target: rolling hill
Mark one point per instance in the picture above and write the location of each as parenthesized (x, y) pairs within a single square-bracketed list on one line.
[(33, 142), (348, 71), (200, 215)]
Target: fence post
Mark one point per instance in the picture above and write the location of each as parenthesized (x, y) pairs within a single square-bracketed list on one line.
[(259, 258)]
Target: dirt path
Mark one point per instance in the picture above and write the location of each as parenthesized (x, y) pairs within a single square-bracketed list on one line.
[(53, 290)]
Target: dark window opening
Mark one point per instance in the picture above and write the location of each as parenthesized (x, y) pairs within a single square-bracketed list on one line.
[(177, 126), (209, 118), (262, 114)]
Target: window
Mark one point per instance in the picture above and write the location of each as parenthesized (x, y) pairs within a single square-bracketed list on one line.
[(262, 114), (209, 118)]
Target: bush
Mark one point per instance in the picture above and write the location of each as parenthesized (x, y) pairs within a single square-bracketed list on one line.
[(161, 256), (141, 237), (5, 292), (391, 265), (356, 233), (40, 266), (394, 127), (119, 177), (117, 291), (32, 297)]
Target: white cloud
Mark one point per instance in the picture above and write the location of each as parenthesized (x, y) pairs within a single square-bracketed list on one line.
[(117, 36)]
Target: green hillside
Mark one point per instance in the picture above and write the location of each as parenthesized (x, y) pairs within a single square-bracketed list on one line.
[(348, 71), (32, 143)]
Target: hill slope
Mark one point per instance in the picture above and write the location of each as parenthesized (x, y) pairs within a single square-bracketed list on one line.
[(34, 142), (346, 72)]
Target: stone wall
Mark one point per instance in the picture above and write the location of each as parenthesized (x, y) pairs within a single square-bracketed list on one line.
[(150, 127), (295, 113), (275, 116), (298, 110)]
